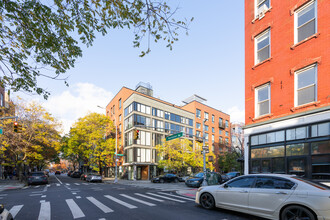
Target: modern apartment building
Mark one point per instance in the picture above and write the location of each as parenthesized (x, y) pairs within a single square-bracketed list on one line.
[(287, 87), (154, 119)]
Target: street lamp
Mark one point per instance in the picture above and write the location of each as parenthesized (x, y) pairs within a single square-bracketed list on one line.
[(116, 179), (204, 159)]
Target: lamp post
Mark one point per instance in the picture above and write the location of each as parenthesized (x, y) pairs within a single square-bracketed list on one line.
[(204, 159)]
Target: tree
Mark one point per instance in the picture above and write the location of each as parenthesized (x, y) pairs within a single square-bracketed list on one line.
[(37, 144), (228, 161), (39, 34), (87, 142), (179, 154)]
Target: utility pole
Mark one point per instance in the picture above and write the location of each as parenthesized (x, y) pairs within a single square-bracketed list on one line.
[(116, 180), (204, 159)]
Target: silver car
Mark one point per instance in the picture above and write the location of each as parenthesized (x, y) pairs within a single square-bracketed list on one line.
[(272, 196), (93, 177)]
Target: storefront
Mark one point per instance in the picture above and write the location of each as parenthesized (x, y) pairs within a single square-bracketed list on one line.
[(303, 150)]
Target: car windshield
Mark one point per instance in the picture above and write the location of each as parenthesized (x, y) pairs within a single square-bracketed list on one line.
[(231, 174), (199, 175), (312, 183)]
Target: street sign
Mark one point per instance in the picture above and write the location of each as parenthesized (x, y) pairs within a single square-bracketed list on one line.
[(205, 147), (0, 130), (174, 136), (120, 155)]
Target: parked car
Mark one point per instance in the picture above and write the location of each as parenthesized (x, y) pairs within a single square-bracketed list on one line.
[(94, 177), (75, 174), (37, 178), (232, 175), (165, 178), (183, 178), (70, 172), (46, 172), (272, 196), (57, 172), (196, 180), (4, 213), (83, 176)]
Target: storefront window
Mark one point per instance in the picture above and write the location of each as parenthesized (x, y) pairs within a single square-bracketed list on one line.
[(255, 166), (322, 129), (297, 149), (278, 165), (277, 151), (322, 147), (265, 166)]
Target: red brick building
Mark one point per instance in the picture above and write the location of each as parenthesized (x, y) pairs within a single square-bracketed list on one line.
[(287, 87)]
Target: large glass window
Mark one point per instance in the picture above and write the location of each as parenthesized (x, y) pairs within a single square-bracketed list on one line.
[(144, 138), (277, 151), (322, 129), (198, 113), (262, 100), (306, 87), (128, 123), (297, 149), (321, 147), (297, 133), (242, 182), (157, 112), (142, 121), (158, 125), (262, 44), (278, 165), (305, 22)]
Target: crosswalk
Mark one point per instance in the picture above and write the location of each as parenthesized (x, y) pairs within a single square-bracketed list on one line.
[(107, 204), (58, 184)]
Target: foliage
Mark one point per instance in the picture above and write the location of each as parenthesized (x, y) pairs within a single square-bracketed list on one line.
[(37, 144), (178, 154), (228, 161), (39, 34), (87, 142)]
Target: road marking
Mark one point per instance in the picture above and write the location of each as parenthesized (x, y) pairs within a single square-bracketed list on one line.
[(68, 184), (58, 180), (164, 197), (100, 205), (36, 194), (74, 193), (45, 189), (57, 184), (41, 201), (121, 202), (102, 219), (36, 186), (25, 187), (44, 196), (75, 210), (48, 185), (180, 197), (78, 197), (148, 197), (77, 184), (15, 209), (3, 194), (85, 183), (138, 200), (44, 213)]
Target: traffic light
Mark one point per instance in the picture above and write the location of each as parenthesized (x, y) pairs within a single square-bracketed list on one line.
[(15, 126), (136, 134)]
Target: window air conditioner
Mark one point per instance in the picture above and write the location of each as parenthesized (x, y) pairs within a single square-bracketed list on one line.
[(262, 10)]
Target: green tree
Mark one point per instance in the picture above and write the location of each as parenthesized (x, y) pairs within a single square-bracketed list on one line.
[(87, 143), (179, 154), (37, 144), (228, 161), (46, 34)]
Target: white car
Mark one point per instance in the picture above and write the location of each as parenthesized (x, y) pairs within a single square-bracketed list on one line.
[(272, 196)]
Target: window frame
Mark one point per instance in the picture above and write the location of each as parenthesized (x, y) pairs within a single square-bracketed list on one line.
[(256, 38), (296, 83), (256, 102), (296, 12), (256, 15)]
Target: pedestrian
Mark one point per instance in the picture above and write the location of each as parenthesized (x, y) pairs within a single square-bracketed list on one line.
[(5, 174)]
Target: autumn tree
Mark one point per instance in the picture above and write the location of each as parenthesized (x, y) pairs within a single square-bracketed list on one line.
[(87, 142), (38, 142), (228, 161), (178, 154), (39, 34)]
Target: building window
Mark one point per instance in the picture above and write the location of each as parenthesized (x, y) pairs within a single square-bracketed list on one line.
[(227, 124), (206, 127), (198, 113), (212, 129), (220, 140), (262, 97), (206, 137), (213, 139), (206, 115), (227, 133), (119, 117), (198, 125), (198, 133), (262, 46), (261, 7), (305, 21), (305, 84), (220, 132), (212, 118), (119, 103)]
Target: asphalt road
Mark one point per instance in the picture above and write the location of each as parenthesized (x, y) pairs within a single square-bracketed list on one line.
[(69, 198)]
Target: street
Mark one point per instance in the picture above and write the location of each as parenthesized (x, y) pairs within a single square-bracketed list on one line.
[(69, 198)]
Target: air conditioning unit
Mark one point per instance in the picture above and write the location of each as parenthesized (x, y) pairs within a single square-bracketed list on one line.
[(262, 10)]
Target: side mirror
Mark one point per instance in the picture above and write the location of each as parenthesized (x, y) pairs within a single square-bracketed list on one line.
[(225, 186)]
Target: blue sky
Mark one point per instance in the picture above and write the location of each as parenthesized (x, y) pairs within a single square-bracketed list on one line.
[(208, 62)]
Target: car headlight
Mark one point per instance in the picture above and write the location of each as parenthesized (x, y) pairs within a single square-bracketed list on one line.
[(196, 181)]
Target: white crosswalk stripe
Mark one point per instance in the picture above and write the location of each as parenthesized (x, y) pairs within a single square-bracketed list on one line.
[(44, 213), (75, 210), (164, 197), (68, 184), (100, 205), (77, 184), (138, 200), (57, 184), (148, 197), (15, 209), (36, 186), (121, 202), (180, 197), (85, 183)]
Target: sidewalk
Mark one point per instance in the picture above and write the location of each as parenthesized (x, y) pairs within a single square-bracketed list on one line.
[(10, 184)]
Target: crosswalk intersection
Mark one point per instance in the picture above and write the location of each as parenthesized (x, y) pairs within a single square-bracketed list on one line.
[(106, 203)]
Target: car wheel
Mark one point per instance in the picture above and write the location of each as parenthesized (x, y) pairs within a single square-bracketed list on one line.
[(176, 180), (207, 201), (161, 181), (297, 212)]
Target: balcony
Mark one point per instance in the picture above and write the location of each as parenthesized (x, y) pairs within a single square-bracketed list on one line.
[(222, 125)]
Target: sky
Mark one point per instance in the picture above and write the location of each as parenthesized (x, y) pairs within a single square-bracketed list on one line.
[(208, 62)]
